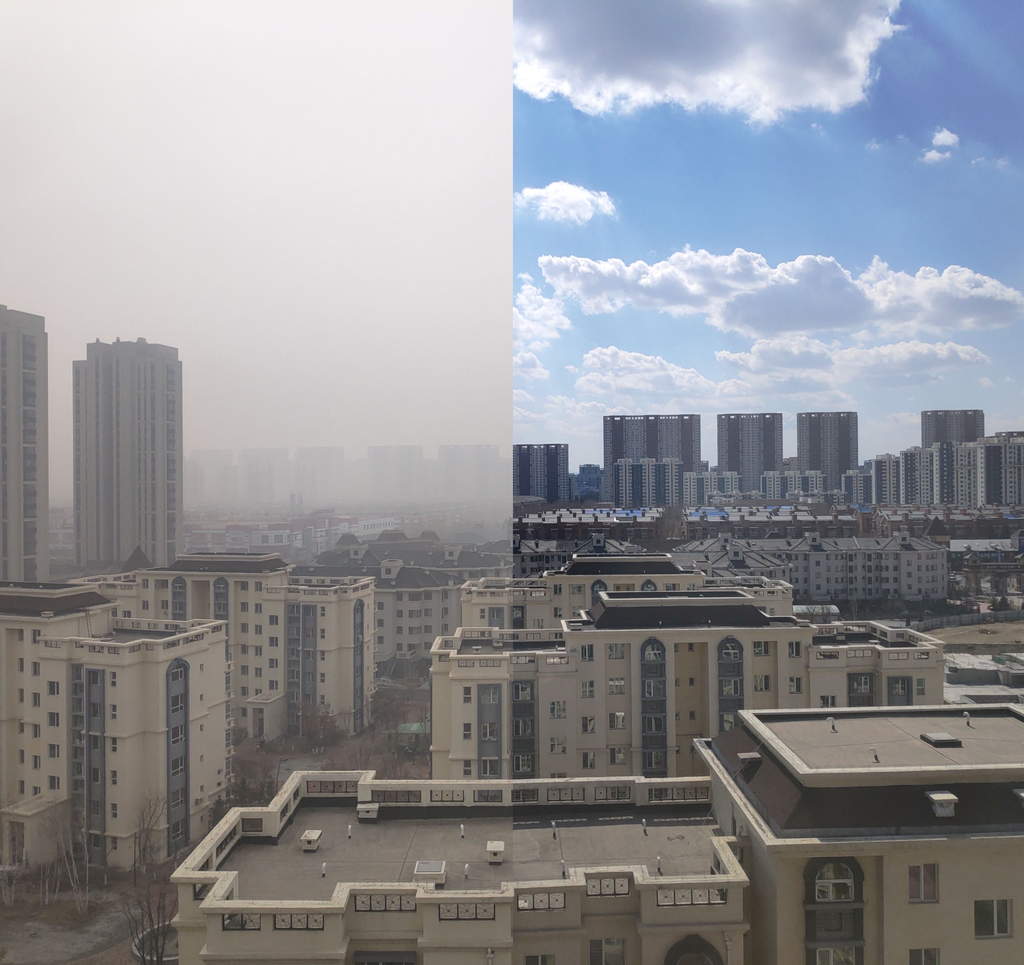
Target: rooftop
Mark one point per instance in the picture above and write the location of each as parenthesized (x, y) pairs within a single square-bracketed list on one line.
[(388, 851), (677, 610), (51, 599), (638, 564)]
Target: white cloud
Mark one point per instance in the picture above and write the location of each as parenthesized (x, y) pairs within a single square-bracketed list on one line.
[(521, 397), (759, 59), (986, 383), (909, 363), (527, 366), (562, 201), (872, 145), (945, 138), (741, 292), (1003, 162), (933, 157), (536, 319)]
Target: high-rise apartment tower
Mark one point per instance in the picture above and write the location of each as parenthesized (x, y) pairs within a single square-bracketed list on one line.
[(541, 470), (826, 442), (951, 425), (652, 437), (24, 488), (750, 444), (128, 459)]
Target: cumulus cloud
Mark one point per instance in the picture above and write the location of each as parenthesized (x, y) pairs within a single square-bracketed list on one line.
[(932, 156), (536, 319), (562, 201), (742, 292), (986, 383), (521, 397), (945, 138), (526, 365), (872, 145), (760, 60)]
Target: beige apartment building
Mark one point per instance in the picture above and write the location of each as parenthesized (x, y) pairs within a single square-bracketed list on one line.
[(877, 835), (466, 872), (111, 726), (293, 641), (627, 686)]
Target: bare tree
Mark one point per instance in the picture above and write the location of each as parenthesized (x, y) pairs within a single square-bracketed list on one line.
[(255, 782), (318, 725), (148, 913), (149, 812), (67, 832)]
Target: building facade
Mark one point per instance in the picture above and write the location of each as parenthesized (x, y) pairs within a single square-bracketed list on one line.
[(24, 447), (826, 442), (951, 425), (655, 437), (542, 471), (128, 459), (750, 444), (113, 726)]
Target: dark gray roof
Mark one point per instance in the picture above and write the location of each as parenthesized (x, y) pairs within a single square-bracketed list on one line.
[(679, 617)]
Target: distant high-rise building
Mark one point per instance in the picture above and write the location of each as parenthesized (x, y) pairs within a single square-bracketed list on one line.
[(264, 476), (587, 482), (750, 444), (885, 479), (652, 437), (211, 479), (469, 472), (319, 475), (541, 470), (951, 425), (826, 442), (24, 547), (397, 473), (128, 462)]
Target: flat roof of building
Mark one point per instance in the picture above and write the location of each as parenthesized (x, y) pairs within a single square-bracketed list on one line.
[(225, 563), (36, 599), (717, 608), (388, 851), (654, 563), (807, 780)]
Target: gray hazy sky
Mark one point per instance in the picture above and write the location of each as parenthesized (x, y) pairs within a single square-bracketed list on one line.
[(311, 201)]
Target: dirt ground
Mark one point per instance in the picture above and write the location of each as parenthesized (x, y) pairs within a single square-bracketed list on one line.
[(57, 935), (1007, 636)]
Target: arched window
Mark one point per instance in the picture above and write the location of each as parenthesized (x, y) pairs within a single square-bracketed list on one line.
[(220, 598), (649, 586), (653, 650), (178, 598), (596, 587), (730, 651), (693, 950), (730, 682), (834, 882)]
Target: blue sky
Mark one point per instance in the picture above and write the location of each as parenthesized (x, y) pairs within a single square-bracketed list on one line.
[(785, 206)]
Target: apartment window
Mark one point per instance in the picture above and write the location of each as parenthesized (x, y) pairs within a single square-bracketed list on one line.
[(588, 725), (21, 756), (467, 768), (607, 951), (827, 700), (924, 882), (992, 918), (924, 956), (244, 693), (244, 669), (556, 709), (616, 685), (53, 719), (243, 628), (467, 732), (53, 783), (617, 755), (522, 691), (113, 711), (489, 693), (177, 733), (490, 767), (558, 745), (587, 652), (113, 678), (522, 763), (589, 761), (244, 607), (539, 960), (796, 685), (37, 700), (53, 750), (113, 810), (113, 745), (35, 668), (177, 766), (36, 731), (467, 695), (21, 664), (52, 688), (617, 721), (489, 731), (272, 663), (616, 651), (762, 682), (37, 762), (919, 685), (794, 648), (762, 648), (586, 688), (113, 777), (21, 695)]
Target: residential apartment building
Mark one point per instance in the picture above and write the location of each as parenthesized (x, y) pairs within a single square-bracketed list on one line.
[(626, 686), (541, 471), (293, 641), (128, 460), (750, 444), (658, 437), (794, 485), (951, 425), (319, 475), (851, 568), (877, 835), (827, 442), (117, 723), (397, 473), (24, 447), (264, 476), (608, 871), (471, 472), (641, 483), (885, 479)]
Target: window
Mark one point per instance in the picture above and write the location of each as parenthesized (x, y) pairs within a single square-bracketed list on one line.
[(463, 910), (588, 725), (762, 648), (589, 760), (924, 882), (52, 688), (53, 719), (113, 777), (586, 688), (467, 768), (924, 956), (558, 745), (36, 730), (992, 918), (113, 810), (616, 651), (556, 709), (794, 648), (489, 731), (616, 685), (836, 956), (587, 651), (113, 745), (467, 732), (834, 882), (54, 783), (919, 686), (113, 711), (35, 668), (607, 951), (522, 763), (490, 767), (37, 762), (762, 682), (730, 687), (467, 695), (796, 685), (177, 733), (53, 750), (617, 755), (37, 700), (617, 720), (177, 766), (827, 700), (489, 693)]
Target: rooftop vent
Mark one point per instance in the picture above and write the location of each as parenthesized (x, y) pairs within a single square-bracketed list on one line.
[(942, 739), (429, 872), (943, 803)]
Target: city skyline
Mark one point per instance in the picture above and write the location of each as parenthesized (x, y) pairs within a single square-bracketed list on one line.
[(731, 232)]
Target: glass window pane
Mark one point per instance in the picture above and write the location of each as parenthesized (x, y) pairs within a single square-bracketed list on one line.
[(984, 918)]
